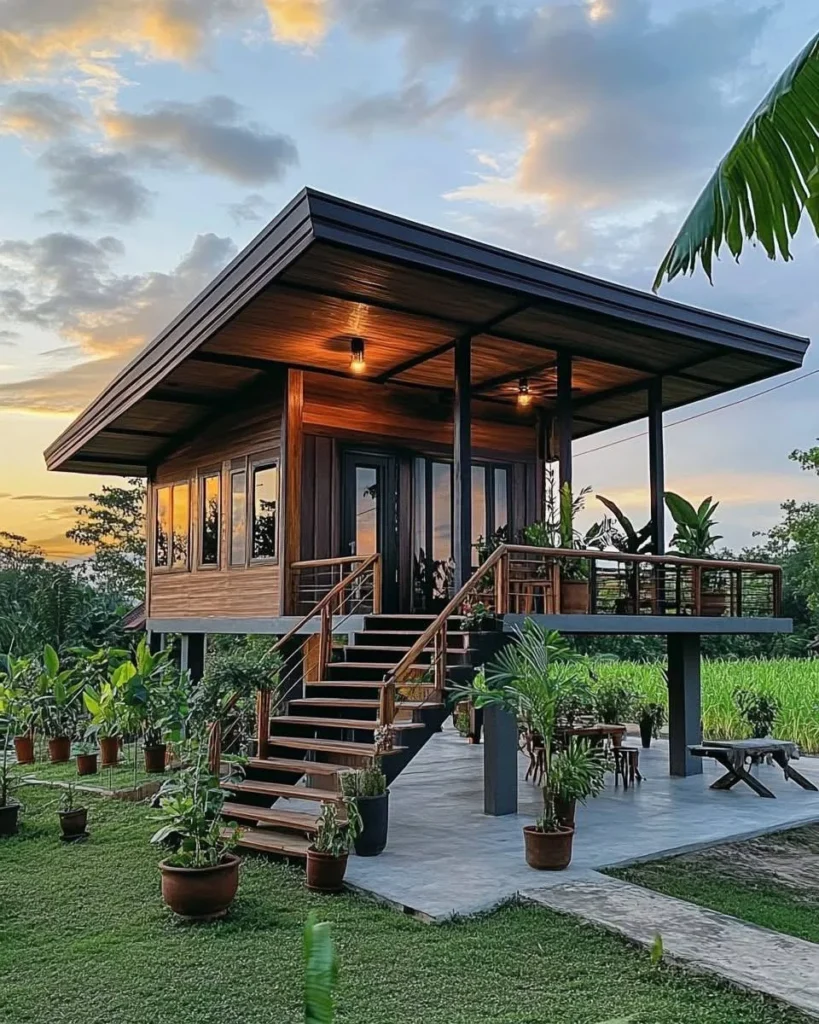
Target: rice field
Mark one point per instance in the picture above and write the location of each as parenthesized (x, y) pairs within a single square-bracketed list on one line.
[(794, 683)]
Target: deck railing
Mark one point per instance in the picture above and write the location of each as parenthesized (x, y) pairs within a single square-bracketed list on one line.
[(315, 578), (522, 580), (306, 650)]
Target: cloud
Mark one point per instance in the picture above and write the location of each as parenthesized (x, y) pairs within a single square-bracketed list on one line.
[(208, 135), (49, 497), (67, 284), (251, 208), (38, 115), (93, 184), (298, 21), (8, 339), (608, 100)]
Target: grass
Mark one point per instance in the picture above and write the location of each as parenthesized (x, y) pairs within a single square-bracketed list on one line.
[(771, 881), (121, 777), (84, 936), (793, 682)]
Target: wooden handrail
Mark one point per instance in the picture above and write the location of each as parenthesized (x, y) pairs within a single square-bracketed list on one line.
[(314, 563), (323, 608), (627, 556)]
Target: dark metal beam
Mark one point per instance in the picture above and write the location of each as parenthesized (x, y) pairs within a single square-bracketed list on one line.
[(416, 360), (656, 465), (564, 417), (181, 398), (128, 432), (462, 459), (684, 703)]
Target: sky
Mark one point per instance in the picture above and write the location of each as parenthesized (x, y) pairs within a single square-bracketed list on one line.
[(143, 142)]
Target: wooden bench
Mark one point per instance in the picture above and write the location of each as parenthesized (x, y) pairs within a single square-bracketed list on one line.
[(733, 754)]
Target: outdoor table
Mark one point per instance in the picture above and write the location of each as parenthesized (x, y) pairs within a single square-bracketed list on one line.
[(732, 755), (595, 733)]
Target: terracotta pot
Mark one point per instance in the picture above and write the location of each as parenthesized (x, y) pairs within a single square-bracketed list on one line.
[(617, 738), (74, 823), (548, 851), (59, 749), (565, 811), (24, 749), (109, 751), (574, 597), (200, 894), (714, 603), (86, 764), (325, 873), (375, 814), (155, 761), (8, 819)]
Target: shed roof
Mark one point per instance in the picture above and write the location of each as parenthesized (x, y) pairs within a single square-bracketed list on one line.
[(326, 270)]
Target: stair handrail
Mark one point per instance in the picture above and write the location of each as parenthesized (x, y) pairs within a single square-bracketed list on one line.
[(435, 632), (323, 608)]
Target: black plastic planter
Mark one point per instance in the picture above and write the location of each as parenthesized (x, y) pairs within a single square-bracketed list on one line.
[(8, 819), (646, 731), (375, 815)]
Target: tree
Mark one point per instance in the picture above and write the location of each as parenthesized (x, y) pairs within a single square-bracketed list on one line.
[(765, 182), (114, 526)]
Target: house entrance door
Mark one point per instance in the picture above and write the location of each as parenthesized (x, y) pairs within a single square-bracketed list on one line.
[(369, 520)]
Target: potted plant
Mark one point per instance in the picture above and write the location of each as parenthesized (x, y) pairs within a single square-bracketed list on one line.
[(694, 538), (368, 787), (558, 530), (16, 703), (759, 710), (632, 541), (334, 838), (104, 707), (650, 718), (576, 773), (9, 808), (55, 705), (73, 819), (616, 705), (200, 877), (85, 751), (530, 678)]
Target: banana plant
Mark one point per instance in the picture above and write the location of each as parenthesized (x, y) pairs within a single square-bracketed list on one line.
[(320, 972), (56, 703), (631, 540), (694, 536)]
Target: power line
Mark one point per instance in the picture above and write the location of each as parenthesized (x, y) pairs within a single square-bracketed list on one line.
[(699, 415)]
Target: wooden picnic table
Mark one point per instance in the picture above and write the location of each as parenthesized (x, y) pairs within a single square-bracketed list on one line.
[(732, 755)]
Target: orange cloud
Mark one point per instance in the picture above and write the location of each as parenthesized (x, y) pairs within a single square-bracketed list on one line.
[(298, 21)]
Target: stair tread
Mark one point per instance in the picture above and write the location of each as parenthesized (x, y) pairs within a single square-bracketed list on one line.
[(270, 816), (283, 789), (390, 647), (271, 841), (340, 723), (372, 683), (286, 764), (352, 702), (329, 746)]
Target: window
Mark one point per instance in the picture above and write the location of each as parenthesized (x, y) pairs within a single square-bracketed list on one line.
[(501, 499), (238, 517), (209, 518), (172, 526), (265, 510), (162, 527)]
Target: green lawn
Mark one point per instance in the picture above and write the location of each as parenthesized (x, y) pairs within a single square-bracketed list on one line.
[(121, 777), (772, 881), (84, 937)]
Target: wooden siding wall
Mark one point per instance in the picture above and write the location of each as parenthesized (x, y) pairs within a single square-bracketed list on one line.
[(338, 412), (220, 591)]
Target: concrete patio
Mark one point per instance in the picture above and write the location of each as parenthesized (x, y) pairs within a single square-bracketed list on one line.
[(446, 857)]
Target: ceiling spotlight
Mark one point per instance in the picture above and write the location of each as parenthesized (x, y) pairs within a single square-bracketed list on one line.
[(357, 362), (524, 394)]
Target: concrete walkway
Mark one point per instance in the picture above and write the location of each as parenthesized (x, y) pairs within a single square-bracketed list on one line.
[(743, 954), (445, 856)]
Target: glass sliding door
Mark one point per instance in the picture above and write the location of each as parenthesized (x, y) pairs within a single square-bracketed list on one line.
[(369, 521)]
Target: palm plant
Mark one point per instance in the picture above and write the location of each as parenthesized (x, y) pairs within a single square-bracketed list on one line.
[(765, 182)]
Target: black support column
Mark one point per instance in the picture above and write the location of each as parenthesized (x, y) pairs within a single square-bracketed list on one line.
[(656, 464), (462, 457), (564, 417), (500, 762), (192, 654), (684, 703)]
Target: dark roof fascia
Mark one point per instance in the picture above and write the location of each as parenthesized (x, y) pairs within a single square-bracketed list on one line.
[(352, 226), (245, 276)]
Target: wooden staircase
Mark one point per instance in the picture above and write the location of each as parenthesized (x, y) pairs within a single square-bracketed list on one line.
[(331, 727)]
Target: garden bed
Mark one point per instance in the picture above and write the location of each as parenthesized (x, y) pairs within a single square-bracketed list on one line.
[(85, 937), (772, 881)]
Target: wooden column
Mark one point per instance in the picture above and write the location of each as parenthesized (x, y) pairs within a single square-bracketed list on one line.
[(291, 476), (684, 703), (462, 457), (656, 464), (564, 417)]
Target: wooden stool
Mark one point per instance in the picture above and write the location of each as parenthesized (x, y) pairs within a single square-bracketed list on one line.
[(627, 765)]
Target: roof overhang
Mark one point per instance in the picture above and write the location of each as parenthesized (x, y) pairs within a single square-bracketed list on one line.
[(325, 270)]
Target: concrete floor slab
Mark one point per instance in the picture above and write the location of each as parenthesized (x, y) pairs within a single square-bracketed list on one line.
[(446, 857), (754, 958)]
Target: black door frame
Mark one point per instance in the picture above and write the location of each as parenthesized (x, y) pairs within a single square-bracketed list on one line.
[(386, 464)]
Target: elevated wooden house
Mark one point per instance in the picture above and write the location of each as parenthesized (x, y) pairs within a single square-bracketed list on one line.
[(333, 424)]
